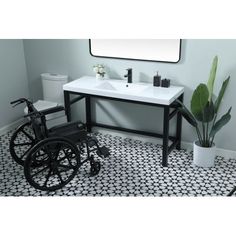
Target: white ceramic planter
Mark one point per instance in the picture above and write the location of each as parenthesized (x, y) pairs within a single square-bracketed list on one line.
[(203, 156)]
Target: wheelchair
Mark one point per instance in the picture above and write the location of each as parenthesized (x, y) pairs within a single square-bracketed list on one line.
[(52, 157)]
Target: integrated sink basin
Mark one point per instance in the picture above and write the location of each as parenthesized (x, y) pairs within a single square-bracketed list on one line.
[(120, 89)]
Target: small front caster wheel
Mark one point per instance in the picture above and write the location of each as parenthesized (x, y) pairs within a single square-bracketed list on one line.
[(95, 168)]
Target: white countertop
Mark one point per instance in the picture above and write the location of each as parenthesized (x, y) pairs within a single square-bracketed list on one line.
[(143, 92)]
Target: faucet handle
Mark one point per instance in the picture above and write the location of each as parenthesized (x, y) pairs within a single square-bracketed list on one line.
[(129, 72)]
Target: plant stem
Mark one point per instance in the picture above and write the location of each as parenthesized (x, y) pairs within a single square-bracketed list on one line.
[(199, 136), (207, 134), (203, 132), (214, 121), (212, 140)]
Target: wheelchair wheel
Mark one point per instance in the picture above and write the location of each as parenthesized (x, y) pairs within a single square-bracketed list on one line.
[(22, 140), (58, 161)]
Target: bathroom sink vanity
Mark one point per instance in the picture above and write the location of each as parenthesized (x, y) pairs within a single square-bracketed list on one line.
[(87, 87)]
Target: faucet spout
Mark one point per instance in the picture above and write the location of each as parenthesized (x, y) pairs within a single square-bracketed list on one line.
[(129, 75)]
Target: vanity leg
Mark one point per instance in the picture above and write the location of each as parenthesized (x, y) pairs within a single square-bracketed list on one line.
[(88, 113), (179, 126), (165, 136), (67, 105)]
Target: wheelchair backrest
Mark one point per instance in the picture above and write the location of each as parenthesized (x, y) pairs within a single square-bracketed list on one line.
[(38, 123), (38, 120)]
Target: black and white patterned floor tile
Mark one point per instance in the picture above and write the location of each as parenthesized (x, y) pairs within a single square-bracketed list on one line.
[(133, 169)]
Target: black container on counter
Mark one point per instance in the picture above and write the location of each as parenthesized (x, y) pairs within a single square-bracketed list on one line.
[(165, 83)]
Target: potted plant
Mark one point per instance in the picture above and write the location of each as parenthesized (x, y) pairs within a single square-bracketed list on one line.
[(99, 69), (204, 118)]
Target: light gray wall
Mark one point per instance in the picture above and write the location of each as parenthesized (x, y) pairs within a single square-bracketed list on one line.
[(72, 57), (13, 79)]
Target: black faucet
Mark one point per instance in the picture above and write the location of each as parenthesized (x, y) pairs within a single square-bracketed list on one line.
[(129, 75)]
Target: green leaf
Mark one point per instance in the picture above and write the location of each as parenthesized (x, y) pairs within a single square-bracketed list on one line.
[(188, 116), (211, 80), (220, 123), (199, 101), (221, 94), (208, 112)]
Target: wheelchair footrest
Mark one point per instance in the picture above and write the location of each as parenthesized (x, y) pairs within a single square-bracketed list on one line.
[(103, 151)]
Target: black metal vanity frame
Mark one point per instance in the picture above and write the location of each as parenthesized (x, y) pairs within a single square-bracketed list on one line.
[(168, 115)]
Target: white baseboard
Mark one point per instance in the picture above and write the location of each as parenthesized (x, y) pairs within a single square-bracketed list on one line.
[(11, 126), (229, 154)]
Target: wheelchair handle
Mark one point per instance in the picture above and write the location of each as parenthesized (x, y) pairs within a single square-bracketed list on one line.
[(21, 100)]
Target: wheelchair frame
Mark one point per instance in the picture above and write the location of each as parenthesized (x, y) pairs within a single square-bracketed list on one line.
[(53, 156)]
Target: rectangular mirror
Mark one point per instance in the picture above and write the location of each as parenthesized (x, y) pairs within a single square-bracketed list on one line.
[(157, 50)]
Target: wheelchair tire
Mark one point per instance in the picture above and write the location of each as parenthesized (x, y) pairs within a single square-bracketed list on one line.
[(22, 140), (59, 165)]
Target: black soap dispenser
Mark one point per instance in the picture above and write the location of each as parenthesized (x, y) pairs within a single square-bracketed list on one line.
[(157, 80)]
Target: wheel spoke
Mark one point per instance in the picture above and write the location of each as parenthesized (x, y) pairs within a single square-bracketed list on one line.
[(23, 144), (67, 152), (59, 175), (47, 178), (40, 155), (58, 151), (68, 159), (40, 171), (66, 167), (48, 152), (40, 158), (65, 157), (28, 135), (25, 152)]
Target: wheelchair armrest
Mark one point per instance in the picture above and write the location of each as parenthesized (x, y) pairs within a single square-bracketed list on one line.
[(52, 110)]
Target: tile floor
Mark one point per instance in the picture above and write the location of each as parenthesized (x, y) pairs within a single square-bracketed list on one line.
[(133, 169)]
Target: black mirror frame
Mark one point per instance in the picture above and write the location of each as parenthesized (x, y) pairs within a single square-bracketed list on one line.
[(172, 62)]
